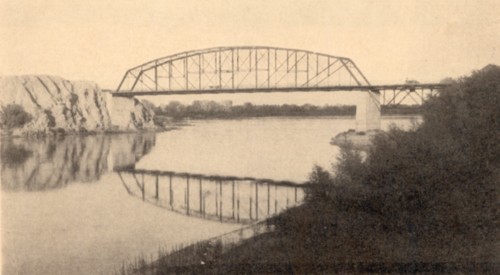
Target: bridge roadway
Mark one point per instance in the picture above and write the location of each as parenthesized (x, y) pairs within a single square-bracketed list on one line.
[(373, 88)]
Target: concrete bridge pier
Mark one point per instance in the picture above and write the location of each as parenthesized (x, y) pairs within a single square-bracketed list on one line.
[(368, 110)]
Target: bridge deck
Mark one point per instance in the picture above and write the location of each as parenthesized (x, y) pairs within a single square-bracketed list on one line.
[(373, 88)]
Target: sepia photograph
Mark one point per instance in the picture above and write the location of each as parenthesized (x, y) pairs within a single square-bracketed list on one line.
[(249, 137)]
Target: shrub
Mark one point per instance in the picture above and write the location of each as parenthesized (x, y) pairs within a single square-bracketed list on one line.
[(468, 111), (14, 116), (320, 181), (436, 184)]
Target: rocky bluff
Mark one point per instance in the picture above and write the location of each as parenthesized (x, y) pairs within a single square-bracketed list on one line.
[(60, 105)]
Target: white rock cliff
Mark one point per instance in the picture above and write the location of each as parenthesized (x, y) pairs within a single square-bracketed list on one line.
[(57, 104)]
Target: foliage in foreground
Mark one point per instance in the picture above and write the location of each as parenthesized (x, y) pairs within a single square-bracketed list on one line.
[(432, 191)]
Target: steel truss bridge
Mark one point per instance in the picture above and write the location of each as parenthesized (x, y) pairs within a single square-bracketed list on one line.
[(258, 69)]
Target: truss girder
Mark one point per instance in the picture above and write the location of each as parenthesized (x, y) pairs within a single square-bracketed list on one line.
[(408, 95), (242, 68)]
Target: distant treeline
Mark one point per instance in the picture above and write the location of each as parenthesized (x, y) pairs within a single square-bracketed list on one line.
[(213, 109)]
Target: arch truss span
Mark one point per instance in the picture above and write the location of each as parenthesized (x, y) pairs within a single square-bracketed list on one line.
[(241, 69)]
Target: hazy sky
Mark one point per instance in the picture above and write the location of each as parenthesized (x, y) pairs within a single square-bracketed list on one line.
[(390, 41)]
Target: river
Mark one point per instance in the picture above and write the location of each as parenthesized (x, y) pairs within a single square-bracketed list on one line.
[(65, 209)]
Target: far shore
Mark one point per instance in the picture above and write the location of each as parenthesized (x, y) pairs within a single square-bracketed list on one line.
[(171, 123)]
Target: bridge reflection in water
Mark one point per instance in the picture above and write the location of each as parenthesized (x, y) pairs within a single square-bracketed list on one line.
[(227, 199)]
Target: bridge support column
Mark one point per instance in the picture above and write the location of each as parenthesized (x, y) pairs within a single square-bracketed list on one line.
[(368, 112)]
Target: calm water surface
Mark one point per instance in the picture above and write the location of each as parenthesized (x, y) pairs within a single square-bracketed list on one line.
[(65, 210)]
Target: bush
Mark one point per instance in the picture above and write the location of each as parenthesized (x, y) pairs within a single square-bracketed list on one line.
[(321, 181), (435, 184), (441, 175), (13, 116), (445, 168), (469, 112)]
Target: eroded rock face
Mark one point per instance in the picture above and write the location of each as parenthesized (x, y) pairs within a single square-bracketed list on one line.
[(129, 113), (59, 105)]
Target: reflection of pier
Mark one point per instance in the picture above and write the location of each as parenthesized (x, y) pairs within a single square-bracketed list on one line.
[(227, 199)]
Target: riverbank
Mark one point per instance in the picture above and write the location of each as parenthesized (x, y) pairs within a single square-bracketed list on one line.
[(206, 109), (200, 256), (310, 239), (176, 125)]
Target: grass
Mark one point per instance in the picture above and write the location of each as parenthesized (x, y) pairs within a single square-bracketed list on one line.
[(311, 240), (197, 256)]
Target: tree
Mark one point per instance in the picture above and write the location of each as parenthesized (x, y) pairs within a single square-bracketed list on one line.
[(444, 172), (14, 116), (469, 111), (435, 184)]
